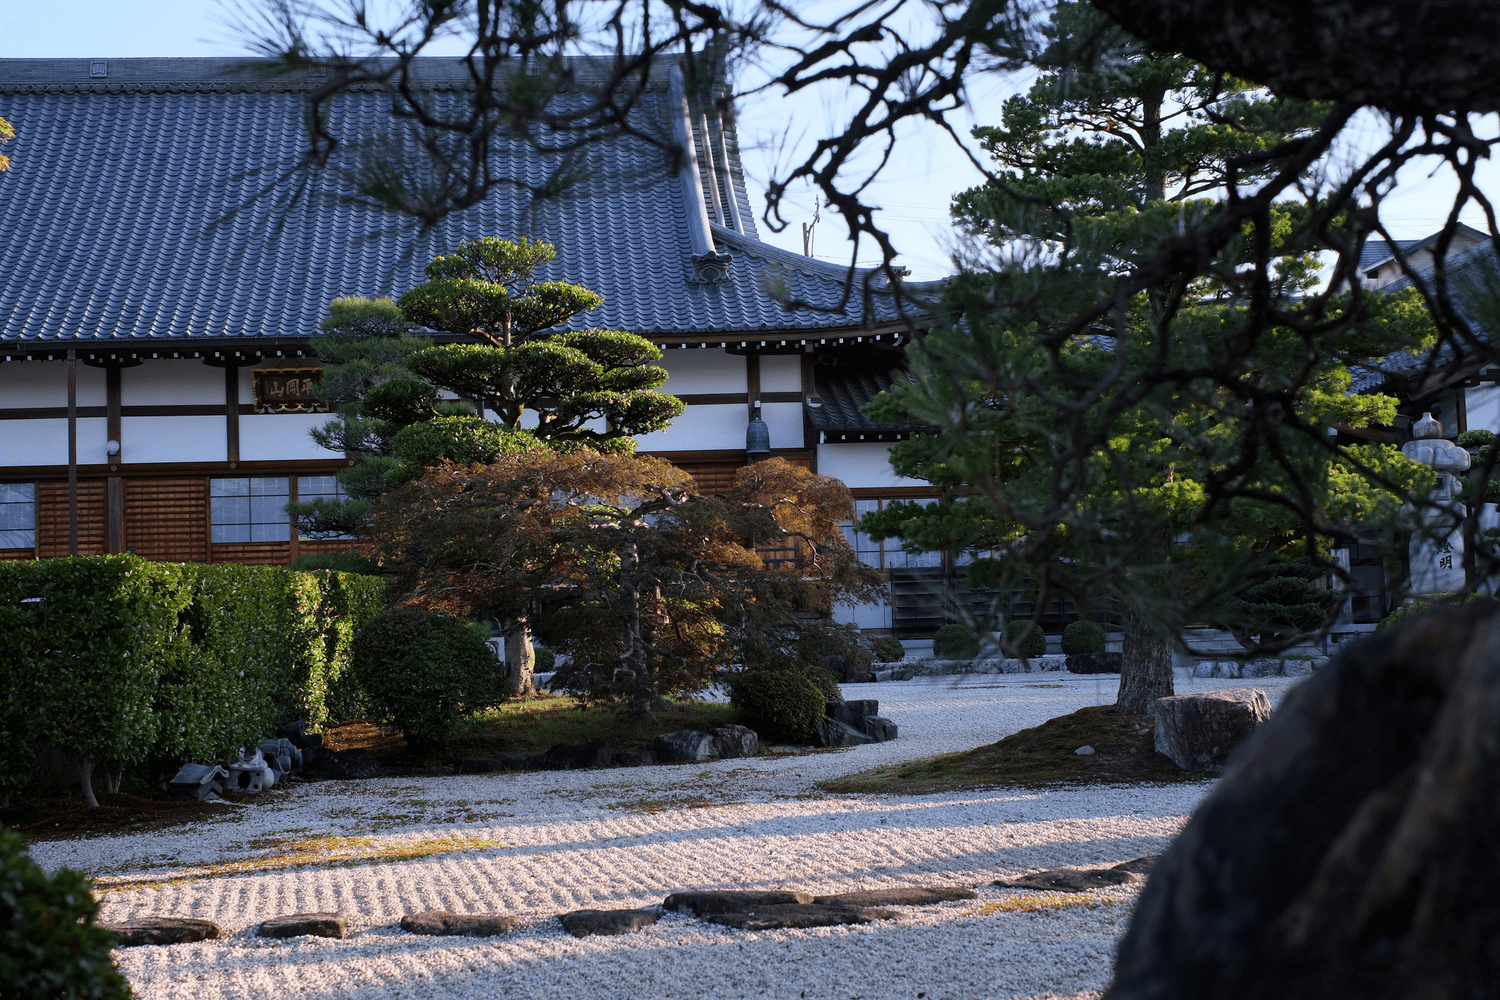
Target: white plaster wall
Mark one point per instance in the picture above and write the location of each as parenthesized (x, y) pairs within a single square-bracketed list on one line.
[(785, 423), (702, 370), (45, 442), (861, 464), (149, 440), (267, 437), (874, 615), (710, 427), (45, 383), (1482, 405), (247, 388), (781, 373), (172, 382)]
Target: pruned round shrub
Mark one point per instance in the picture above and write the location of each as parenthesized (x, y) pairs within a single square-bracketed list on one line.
[(888, 649), (422, 672), (1083, 637), (545, 660), (49, 943), (1036, 643), (955, 642), (779, 702)]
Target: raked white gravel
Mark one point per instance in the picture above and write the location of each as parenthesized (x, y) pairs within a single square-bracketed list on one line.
[(543, 843)]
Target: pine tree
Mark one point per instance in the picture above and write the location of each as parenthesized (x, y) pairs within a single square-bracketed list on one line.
[(546, 390), (1186, 484)]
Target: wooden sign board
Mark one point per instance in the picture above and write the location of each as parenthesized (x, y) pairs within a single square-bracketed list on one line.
[(285, 390)]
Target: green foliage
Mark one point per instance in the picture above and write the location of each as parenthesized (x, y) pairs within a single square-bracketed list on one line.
[(1079, 466), (545, 660), (1283, 601), (464, 440), (1083, 637), (423, 672), (888, 649), (955, 642), (50, 946), (779, 702), (339, 562), (123, 659), (1417, 605), (1036, 642)]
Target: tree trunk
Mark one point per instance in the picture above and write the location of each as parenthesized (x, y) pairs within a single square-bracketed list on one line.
[(86, 779), (1146, 670), (112, 778), (520, 658)]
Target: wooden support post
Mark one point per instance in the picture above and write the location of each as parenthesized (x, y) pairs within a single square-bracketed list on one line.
[(72, 452), (232, 411)]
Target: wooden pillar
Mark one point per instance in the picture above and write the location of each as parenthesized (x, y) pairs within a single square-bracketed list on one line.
[(232, 411), (114, 494), (752, 383), (809, 392), (72, 452)]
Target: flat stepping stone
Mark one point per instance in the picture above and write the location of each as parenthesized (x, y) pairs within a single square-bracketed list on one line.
[(162, 930), (703, 904), (441, 923), (776, 916), (1069, 879), (327, 925), (583, 923), (1138, 866), (906, 896)]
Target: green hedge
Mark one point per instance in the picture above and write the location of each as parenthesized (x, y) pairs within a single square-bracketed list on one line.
[(50, 946), (122, 660)]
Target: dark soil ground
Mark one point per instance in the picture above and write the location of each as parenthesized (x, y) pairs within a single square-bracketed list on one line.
[(1124, 753), (122, 812)]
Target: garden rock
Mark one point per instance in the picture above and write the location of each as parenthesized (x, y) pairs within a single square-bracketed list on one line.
[(915, 895), (567, 757), (776, 917), (735, 741), (502, 762), (632, 756), (833, 733), (1093, 663), (1070, 879), (1199, 731), (879, 728), (441, 923), (704, 903), (1349, 849), (341, 764), (852, 713), (1138, 866), (162, 930), (327, 925), (583, 923), (685, 745)]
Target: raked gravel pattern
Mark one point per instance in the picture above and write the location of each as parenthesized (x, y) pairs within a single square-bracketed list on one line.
[(543, 843)]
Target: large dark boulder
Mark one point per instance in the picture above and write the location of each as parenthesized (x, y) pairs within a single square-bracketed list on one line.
[(1352, 848), (685, 745), (577, 757), (733, 741), (833, 733), (1199, 731), (852, 713)]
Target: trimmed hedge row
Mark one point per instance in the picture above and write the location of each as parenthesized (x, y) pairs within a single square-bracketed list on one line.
[(118, 660)]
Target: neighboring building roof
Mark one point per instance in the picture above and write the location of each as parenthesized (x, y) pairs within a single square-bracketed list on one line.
[(1403, 370), (842, 390), (156, 205)]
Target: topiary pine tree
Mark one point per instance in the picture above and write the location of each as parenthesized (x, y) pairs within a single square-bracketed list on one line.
[(1179, 481), (523, 387)]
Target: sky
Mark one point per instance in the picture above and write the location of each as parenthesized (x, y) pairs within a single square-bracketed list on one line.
[(913, 193)]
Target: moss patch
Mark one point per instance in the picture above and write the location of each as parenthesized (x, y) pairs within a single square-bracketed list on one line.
[(533, 725), (1124, 753)]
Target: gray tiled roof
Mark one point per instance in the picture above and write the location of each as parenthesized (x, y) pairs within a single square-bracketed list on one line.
[(1463, 270), (845, 388), (109, 217)]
